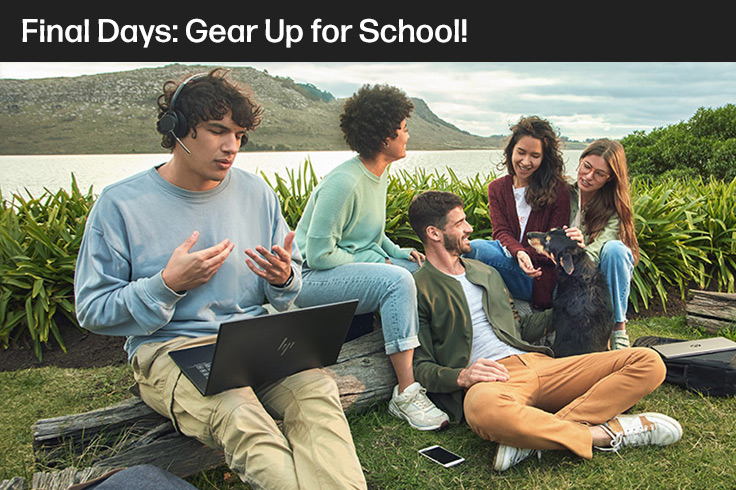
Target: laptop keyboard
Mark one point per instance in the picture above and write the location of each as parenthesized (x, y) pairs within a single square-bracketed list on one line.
[(203, 368)]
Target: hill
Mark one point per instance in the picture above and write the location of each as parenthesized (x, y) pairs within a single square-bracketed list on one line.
[(116, 113)]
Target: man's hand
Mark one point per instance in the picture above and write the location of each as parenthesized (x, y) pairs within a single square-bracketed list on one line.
[(482, 370), (186, 271), (275, 266), (525, 262)]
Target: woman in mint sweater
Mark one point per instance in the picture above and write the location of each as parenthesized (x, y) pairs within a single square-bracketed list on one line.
[(341, 236)]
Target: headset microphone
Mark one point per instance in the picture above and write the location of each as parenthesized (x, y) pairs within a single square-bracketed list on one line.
[(173, 121), (179, 141)]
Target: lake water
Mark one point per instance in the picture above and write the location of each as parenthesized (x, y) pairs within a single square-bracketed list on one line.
[(37, 172)]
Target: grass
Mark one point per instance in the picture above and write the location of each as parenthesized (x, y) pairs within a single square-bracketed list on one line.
[(32, 394), (387, 447)]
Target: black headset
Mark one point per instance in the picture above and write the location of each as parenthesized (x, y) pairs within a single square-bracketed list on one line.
[(173, 121)]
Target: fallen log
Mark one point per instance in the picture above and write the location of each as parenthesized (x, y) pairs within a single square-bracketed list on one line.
[(15, 483), (711, 310), (130, 433)]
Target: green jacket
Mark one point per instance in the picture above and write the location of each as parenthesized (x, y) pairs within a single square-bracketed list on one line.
[(608, 233), (446, 330)]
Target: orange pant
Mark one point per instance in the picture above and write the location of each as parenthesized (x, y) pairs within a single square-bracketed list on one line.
[(549, 403)]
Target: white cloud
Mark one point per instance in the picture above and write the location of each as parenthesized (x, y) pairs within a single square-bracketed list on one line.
[(582, 99)]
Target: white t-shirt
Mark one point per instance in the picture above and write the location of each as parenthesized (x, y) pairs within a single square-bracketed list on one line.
[(523, 210), (486, 344)]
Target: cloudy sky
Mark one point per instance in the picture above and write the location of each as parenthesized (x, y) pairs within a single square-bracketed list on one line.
[(582, 99)]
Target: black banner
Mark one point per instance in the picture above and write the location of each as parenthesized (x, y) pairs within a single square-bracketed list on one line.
[(484, 32)]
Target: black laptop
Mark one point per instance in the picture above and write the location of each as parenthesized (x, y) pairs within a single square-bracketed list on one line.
[(261, 349)]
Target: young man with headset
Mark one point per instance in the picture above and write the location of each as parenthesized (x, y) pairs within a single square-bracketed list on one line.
[(156, 265), (477, 361)]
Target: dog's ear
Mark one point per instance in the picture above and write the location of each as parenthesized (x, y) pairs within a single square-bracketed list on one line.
[(566, 263)]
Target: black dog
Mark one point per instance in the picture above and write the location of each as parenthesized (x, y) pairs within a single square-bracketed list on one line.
[(581, 307)]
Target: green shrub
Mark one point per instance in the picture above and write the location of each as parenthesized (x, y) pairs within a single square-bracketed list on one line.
[(704, 145), (672, 247), (39, 242), (404, 186), (718, 214), (686, 230), (294, 193)]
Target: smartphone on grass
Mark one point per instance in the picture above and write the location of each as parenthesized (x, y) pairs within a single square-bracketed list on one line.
[(441, 456)]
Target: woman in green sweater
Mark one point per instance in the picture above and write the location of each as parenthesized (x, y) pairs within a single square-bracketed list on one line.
[(346, 252), (602, 217)]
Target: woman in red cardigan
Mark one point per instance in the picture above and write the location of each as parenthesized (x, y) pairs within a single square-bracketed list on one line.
[(532, 197)]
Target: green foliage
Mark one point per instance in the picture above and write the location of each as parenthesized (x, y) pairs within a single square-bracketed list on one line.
[(686, 227), (672, 248), (704, 145), (718, 211), (686, 230), (404, 186), (387, 447), (294, 192), (39, 242), (32, 394), (687, 234)]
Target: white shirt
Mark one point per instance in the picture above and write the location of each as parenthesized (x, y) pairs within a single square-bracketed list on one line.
[(486, 344), (523, 210)]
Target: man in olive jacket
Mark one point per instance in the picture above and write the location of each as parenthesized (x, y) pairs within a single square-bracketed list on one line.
[(477, 361)]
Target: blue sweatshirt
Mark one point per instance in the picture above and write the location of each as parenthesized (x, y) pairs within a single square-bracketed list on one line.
[(132, 230)]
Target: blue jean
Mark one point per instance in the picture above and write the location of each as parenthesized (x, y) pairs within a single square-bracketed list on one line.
[(142, 476), (491, 252), (617, 266), (388, 288)]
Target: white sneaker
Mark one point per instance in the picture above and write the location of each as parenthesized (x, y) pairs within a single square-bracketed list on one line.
[(642, 430), (415, 407), (508, 456)]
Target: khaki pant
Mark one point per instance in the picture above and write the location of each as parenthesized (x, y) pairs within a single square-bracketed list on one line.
[(314, 451), (549, 403)]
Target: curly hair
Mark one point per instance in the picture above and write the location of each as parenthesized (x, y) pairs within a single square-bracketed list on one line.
[(371, 116), (543, 184), (613, 197), (210, 97)]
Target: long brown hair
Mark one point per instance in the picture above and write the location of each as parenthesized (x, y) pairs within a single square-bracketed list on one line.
[(544, 182), (613, 197)]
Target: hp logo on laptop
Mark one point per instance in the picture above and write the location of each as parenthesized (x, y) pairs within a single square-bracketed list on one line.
[(285, 346)]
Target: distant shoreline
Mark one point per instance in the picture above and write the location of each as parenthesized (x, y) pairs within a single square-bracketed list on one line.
[(570, 145)]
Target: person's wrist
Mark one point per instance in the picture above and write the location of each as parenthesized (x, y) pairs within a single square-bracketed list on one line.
[(288, 281)]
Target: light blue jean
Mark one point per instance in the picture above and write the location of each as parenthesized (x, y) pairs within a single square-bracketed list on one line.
[(388, 288), (491, 252), (142, 476), (616, 265)]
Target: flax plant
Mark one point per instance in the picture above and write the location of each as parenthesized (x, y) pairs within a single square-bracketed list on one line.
[(294, 191), (686, 231), (405, 185), (39, 242), (718, 210), (673, 247)]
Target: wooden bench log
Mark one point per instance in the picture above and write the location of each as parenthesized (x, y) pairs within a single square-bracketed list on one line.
[(711, 310), (130, 433), (15, 483)]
